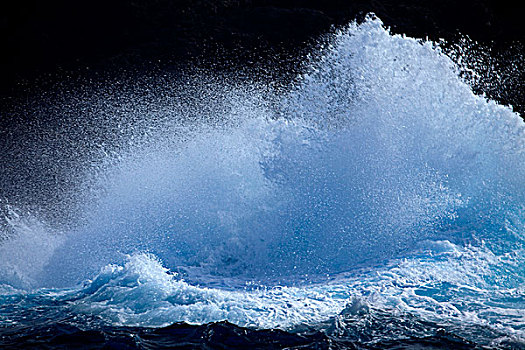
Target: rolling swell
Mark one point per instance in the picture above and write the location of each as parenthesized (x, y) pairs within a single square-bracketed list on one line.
[(377, 187)]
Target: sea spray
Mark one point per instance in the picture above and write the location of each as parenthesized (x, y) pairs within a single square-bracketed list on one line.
[(378, 175)]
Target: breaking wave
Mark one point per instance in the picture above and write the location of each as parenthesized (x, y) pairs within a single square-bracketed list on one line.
[(379, 183)]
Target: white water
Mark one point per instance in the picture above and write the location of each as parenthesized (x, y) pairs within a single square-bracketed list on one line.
[(379, 175)]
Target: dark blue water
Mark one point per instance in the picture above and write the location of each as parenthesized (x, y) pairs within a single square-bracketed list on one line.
[(378, 202)]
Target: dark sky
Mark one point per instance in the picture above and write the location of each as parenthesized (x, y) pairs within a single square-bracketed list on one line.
[(43, 36)]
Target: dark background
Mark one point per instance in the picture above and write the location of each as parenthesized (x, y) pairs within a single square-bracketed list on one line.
[(45, 43), (41, 37)]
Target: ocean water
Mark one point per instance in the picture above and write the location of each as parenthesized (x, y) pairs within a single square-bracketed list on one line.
[(376, 202)]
